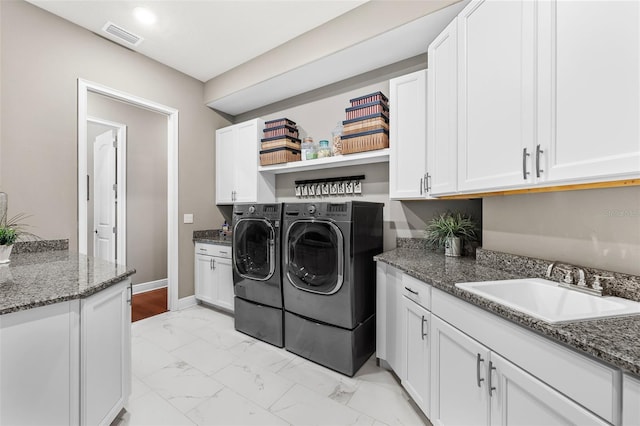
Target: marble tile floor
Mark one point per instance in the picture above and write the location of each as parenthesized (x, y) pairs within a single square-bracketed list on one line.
[(192, 368)]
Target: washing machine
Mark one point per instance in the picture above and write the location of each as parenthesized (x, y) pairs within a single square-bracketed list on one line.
[(257, 281), (329, 281)]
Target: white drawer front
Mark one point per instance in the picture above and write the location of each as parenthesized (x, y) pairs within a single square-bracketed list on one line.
[(589, 382), (219, 250), (416, 290)]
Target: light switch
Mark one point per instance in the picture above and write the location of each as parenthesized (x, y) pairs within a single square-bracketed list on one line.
[(188, 218)]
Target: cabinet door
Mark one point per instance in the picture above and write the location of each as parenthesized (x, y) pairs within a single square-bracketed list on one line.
[(630, 400), (495, 94), (225, 177), (381, 310), (245, 162), (416, 335), (105, 343), (458, 377), (204, 278), (408, 136), (38, 386), (589, 89), (223, 282), (442, 112), (518, 398), (395, 326)]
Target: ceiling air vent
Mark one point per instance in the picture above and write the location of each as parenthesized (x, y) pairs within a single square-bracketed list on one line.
[(122, 34)]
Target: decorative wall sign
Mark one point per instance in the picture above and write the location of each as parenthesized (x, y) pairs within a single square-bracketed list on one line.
[(338, 186)]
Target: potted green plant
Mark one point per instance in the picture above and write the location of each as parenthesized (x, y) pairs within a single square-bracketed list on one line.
[(450, 230), (11, 230)]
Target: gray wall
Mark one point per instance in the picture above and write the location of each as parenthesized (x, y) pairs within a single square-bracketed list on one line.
[(42, 58), (146, 184), (597, 227)]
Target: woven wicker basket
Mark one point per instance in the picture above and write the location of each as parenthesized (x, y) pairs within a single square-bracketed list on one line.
[(365, 125), (279, 122), (284, 130), (366, 110), (279, 155), (371, 97), (365, 141), (280, 141)]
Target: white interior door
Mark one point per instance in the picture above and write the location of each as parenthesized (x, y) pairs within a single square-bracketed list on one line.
[(104, 197)]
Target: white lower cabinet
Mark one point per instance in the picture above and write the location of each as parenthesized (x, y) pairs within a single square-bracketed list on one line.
[(473, 385), (105, 354), (417, 353), (213, 275), (465, 366), (68, 363)]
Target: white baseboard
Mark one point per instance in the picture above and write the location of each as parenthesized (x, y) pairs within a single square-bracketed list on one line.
[(150, 285), (187, 302)]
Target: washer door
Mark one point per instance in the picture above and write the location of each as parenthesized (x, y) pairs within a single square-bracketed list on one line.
[(314, 256), (254, 249)]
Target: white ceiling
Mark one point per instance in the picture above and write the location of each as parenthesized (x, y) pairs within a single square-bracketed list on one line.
[(204, 38)]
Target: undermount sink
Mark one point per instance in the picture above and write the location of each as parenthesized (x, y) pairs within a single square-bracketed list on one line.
[(543, 299)]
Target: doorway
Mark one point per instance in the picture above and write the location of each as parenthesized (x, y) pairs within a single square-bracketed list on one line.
[(171, 114)]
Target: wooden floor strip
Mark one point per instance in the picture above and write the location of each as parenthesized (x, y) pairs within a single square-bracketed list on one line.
[(148, 304)]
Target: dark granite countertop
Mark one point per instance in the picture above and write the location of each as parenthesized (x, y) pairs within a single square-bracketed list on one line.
[(34, 279), (212, 236), (615, 341)]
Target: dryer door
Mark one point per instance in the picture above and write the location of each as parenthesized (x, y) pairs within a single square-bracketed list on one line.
[(254, 249), (314, 256)]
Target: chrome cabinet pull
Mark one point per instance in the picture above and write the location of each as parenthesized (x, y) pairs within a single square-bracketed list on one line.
[(491, 387), (427, 181), (538, 152), (479, 379), (411, 291), (213, 263), (423, 333), (525, 154), (130, 294), (421, 186)]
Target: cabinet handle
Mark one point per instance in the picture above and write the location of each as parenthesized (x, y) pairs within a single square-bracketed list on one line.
[(421, 186), (423, 321), (130, 294), (411, 291), (479, 379), (538, 169), (491, 387), (525, 154), (213, 264), (427, 183)]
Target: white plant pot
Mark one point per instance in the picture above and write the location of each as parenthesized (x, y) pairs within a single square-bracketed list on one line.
[(453, 247), (5, 252)]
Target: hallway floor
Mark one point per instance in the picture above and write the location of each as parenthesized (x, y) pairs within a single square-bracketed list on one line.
[(192, 368)]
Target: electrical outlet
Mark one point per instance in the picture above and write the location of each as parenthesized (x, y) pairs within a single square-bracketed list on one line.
[(188, 218), (325, 189), (298, 191), (340, 187), (333, 189), (357, 187)]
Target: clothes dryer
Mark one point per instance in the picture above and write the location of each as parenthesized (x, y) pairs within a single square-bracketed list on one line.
[(329, 281), (257, 280)]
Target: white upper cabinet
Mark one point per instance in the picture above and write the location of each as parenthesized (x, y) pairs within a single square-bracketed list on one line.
[(237, 157), (588, 90), (495, 94), (442, 112), (408, 136)]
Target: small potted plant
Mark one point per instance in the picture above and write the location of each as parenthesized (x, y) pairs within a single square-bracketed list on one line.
[(450, 230), (11, 230)]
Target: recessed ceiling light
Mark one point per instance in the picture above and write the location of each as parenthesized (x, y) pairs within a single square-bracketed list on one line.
[(144, 15)]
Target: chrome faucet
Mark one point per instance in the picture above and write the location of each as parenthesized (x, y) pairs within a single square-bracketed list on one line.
[(568, 281)]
